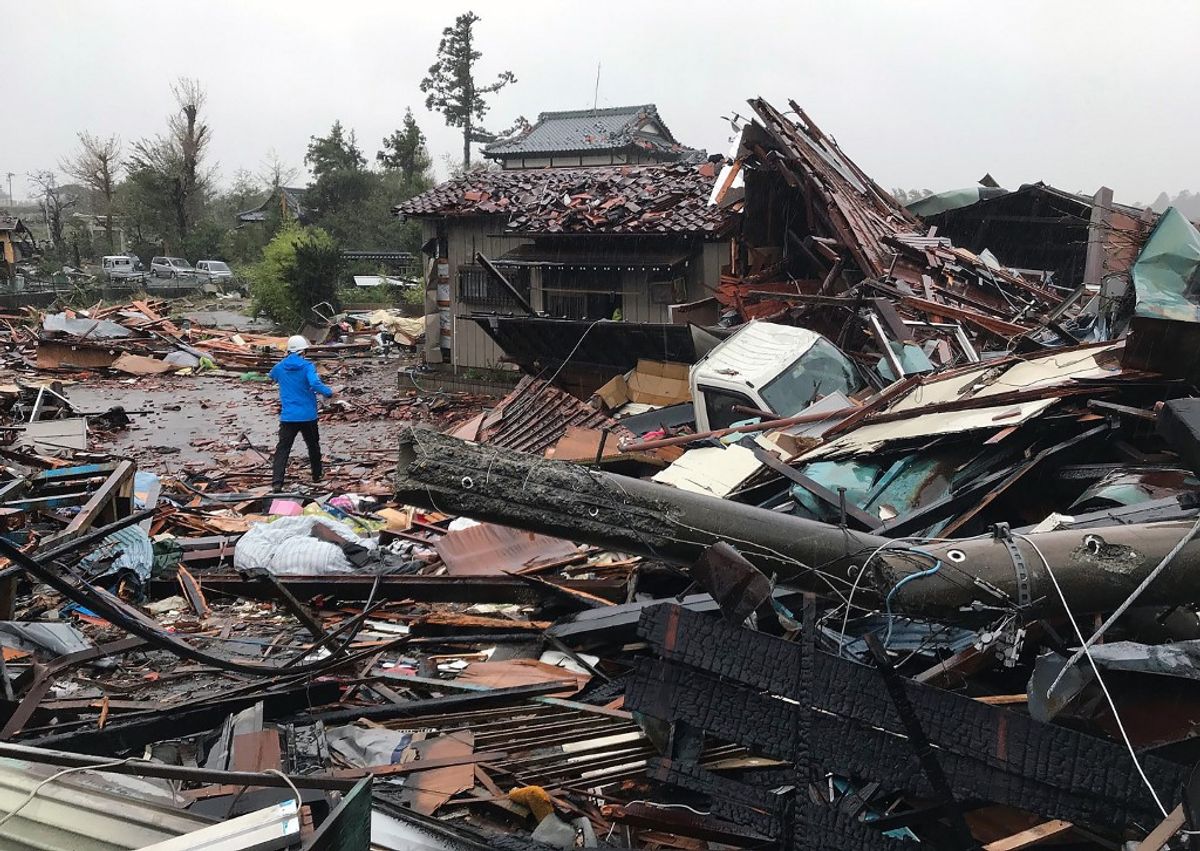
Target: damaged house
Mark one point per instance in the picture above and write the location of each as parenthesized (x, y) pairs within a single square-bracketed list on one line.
[(622, 233), (16, 243), (287, 201), (1077, 238)]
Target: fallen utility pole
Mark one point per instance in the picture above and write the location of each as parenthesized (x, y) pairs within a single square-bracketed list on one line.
[(617, 512), (1097, 568)]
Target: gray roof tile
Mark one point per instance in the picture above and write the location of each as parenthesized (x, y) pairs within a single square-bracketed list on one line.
[(579, 131)]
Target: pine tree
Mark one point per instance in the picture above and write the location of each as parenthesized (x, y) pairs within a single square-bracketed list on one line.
[(451, 87), (404, 150)]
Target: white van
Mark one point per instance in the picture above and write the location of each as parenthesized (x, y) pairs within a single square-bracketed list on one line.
[(781, 369), (118, 267)]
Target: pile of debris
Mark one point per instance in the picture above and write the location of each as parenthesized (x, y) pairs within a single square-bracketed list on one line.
[(142, 338), (905, 555)]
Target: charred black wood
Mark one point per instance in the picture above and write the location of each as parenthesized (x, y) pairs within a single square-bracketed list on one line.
[(1002, 739), (920, 742), (990, 754), (817, 826)]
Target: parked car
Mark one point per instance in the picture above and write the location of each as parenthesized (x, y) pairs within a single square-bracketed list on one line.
[(120, 267), (214, 271), (170, 267)]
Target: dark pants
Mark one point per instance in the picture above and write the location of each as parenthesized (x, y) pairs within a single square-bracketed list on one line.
[(287, 436)]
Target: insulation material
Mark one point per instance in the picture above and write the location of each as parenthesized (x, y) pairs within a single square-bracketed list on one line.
[(1059, 369), (141, 365), (712, 470)]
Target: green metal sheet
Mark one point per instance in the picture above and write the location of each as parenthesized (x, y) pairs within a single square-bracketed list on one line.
[(952, 199), (1166, 275)]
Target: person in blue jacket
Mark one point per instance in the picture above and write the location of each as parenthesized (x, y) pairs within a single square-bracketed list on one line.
[(299, 385)]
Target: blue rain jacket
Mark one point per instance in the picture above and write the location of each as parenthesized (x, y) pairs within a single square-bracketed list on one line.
[(298, 385)]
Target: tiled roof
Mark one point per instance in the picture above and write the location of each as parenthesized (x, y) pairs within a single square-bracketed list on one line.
[(645, 199), (294, 196), (586, 130)]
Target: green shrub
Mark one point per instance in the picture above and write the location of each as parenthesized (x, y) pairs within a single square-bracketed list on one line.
[(299, 269)]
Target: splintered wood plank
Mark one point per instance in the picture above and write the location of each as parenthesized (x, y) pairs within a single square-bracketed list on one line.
[(1032, 836), (1161, 834)]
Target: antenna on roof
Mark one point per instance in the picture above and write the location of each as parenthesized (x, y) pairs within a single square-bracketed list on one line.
[(596, 93)]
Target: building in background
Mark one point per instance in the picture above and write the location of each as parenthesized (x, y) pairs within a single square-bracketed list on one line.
[(619, 135), (16, 244)]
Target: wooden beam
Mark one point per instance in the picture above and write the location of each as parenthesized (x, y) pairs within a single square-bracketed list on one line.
[(1169, 826), (1033, 836)]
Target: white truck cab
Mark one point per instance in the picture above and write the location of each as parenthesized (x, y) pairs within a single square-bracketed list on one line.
[(117, 266), (778, 368)]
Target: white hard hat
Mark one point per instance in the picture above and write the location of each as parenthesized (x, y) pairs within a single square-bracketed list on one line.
[(296, 343)]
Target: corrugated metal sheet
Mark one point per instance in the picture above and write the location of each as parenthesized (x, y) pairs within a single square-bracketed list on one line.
[(87, 811), (536, 414), (491, 549)]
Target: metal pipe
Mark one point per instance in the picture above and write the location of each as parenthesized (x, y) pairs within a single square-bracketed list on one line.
[(682, 439), (617, 512)]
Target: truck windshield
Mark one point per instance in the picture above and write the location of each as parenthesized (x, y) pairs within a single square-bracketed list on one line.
[(217, 266), (818, 372)]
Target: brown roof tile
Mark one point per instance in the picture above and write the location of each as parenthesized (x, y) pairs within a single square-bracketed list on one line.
[(619, 199)]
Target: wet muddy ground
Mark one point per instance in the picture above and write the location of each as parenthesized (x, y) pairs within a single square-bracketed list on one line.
[(223, 423)]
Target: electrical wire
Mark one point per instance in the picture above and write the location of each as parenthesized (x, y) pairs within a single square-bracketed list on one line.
[(117, 612), (33, 793), (571, 354), (1095, 670), (887, 601), (659, 806), (286, 780), (854, 587)]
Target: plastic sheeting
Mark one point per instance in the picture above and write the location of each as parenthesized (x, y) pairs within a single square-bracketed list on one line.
[(130, 550), (1166, 275), (286, 546), (366, 746)]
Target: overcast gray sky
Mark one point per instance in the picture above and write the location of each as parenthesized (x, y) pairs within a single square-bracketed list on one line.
[(922, 93)]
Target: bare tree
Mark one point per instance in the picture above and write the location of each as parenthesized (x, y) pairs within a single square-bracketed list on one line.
[(275, 172), (96, 165), (56, 200), (174, 162)]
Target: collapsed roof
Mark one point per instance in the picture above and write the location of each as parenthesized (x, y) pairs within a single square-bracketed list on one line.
[(647, 199)]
